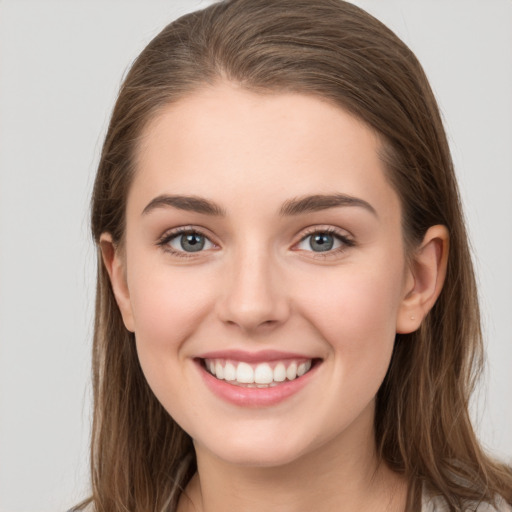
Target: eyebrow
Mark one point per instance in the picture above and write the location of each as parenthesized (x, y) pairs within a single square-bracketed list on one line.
[(188, 203), (295, 206), (315, 203)]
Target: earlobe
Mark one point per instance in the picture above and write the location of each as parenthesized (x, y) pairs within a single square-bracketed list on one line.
[(114, 263), (425, 279)]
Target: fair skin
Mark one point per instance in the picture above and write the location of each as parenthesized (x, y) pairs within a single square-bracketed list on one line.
[(261, 276)]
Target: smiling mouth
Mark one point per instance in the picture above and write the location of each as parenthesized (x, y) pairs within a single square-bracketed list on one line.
[(261, 375)]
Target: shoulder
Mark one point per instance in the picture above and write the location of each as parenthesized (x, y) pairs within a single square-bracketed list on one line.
[(438, 504)]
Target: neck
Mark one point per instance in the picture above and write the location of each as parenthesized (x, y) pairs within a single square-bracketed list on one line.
[(342, 475)]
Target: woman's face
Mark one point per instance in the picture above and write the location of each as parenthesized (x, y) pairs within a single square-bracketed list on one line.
[(263, 241)]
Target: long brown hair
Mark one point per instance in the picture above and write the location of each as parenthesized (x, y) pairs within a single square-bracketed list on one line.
[(140, 458)]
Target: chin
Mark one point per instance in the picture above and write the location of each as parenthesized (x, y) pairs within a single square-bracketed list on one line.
[(257, 459), (258, 452)]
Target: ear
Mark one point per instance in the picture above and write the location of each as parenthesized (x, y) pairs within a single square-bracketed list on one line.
[(424, 280), (114, 262)]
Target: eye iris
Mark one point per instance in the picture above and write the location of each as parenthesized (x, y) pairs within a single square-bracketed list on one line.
[(321, 242), (192, 242)]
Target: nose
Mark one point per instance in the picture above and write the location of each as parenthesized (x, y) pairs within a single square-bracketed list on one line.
[(254, 296)]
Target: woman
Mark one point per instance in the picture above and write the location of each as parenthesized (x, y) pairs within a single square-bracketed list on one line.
[(286, 307)]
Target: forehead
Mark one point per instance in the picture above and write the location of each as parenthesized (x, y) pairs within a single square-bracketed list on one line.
[(224, 140)]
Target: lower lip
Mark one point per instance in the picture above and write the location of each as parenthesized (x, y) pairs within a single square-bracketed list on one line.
[(255, 397)]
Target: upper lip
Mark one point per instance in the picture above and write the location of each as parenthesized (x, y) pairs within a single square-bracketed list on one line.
[(253, 357)]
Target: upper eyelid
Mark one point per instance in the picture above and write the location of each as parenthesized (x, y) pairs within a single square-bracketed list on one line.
[(180, 230), (331, 230)]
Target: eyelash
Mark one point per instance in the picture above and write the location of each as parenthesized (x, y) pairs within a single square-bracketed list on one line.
[(164, 241), (346, 241)]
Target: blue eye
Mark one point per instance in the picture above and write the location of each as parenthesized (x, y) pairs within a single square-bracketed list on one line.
[(190, 241), (323, 241)]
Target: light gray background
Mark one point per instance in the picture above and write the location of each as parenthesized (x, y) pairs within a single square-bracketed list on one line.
[(61, 63)]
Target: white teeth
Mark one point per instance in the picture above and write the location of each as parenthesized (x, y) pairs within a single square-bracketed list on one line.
[(280, 372), (291, 371), (230, 371), (263, 374), (303, 368), (219, 370), (244, 373)]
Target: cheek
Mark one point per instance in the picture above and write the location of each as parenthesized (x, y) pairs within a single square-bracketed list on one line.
[(167, 304), (355, 311), (352, 311), (168, 308)]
